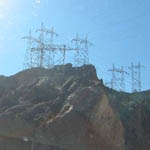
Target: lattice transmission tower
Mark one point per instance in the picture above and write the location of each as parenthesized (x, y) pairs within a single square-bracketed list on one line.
[(28, 62), (63, 49), (46, 46), (136, 77), (43, 51), (113, 81), (86, 43), (118, 78), (51, 48), (81, 50), (122, 78)]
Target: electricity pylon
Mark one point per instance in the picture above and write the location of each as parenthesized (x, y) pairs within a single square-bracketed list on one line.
[(42, 49), (52, 35), (28, 62), (44, 52), (114, 79), (52, 48), (136, 77), (64, 49), (122, 78), (118, 78), (86, 43), (81, 48), (77, 41)]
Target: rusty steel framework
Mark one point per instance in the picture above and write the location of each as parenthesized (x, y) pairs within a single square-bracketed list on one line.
[(118, 78), (44, 52), (136, 77)]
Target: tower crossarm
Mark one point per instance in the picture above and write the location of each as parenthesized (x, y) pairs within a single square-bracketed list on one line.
[(51, 31), (77, 39), (86, 41)]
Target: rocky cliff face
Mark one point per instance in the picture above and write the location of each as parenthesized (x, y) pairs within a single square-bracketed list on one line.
[(134, 110), (67, 108)]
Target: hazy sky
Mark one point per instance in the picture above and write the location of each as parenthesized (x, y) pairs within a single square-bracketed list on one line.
[(119, 30)]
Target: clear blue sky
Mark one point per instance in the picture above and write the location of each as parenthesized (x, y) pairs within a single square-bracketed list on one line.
[(119, 30)]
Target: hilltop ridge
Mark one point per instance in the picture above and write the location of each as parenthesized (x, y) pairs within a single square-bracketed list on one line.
[(69, 108)]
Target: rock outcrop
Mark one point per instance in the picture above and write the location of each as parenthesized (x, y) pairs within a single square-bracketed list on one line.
[(67, 108)]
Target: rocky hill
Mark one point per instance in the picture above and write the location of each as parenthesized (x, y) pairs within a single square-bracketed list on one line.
[(69, 108)]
